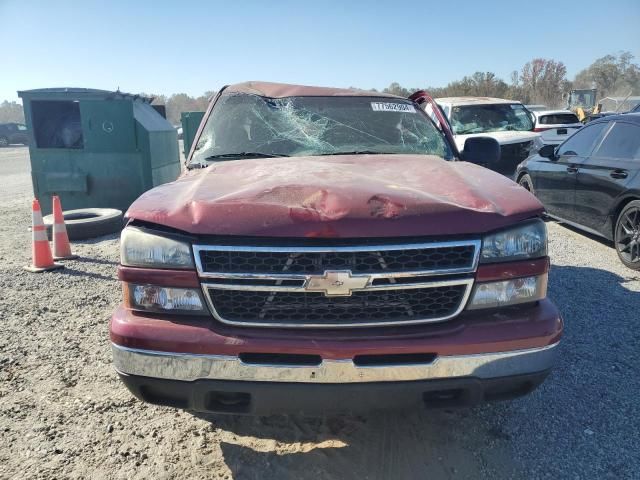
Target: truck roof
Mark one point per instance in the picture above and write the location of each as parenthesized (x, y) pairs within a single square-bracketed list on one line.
[(540, 113), (473, 100), (282, 90)]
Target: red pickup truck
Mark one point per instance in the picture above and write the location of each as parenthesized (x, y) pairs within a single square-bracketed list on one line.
[(330, 250)]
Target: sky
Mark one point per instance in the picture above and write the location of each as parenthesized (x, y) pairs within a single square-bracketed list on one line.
[(165, 47)]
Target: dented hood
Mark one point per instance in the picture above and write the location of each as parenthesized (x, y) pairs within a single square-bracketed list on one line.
[(337, 196)]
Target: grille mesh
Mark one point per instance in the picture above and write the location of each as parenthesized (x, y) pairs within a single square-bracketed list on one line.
[(512, 155), (305, 308), (445, 257)]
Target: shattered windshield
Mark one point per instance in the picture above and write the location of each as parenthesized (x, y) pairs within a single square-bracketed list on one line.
[(251, 126), (490, 118)]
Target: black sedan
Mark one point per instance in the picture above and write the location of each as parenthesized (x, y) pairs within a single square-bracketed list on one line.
[(592, 181), (11, 133)]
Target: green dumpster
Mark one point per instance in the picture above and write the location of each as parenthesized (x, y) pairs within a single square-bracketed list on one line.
[(190, 122), (96, 148)]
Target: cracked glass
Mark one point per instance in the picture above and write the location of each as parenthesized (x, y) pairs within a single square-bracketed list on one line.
[(245, 126), (490, 117)]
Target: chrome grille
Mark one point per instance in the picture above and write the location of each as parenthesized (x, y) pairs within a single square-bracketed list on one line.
[(316, 262), (315, 308), (512, 155), (337, 286)]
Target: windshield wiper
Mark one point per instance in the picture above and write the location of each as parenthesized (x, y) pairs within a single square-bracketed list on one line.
[(356, 152), (234, 156)]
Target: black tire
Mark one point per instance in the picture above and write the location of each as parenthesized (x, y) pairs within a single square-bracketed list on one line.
[(526, 183), (627, 235), (4, 142), (88, 222)]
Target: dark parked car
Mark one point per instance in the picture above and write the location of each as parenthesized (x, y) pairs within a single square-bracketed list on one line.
[(12, 133), (592, 181)]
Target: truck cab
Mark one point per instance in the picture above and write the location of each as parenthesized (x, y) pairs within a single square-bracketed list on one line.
[(582, 102), (507, 121)]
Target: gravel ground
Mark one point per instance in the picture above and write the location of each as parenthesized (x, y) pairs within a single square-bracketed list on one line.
[(64, 414)]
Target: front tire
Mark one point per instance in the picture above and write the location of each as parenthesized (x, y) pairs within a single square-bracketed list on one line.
[(526, 183), (627, 235)]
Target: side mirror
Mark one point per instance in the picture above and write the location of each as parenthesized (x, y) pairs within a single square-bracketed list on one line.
[(548, 151), (483, 151)]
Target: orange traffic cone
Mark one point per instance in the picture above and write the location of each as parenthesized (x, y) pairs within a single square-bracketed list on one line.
[(61, 245), (42, 259)]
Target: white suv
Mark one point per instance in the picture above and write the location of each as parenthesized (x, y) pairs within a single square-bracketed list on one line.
[(555, 126), (508, 121)]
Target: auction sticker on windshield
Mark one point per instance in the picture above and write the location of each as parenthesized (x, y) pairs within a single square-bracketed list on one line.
[(392, 107)]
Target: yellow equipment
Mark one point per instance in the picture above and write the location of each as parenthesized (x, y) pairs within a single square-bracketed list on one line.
[(582, 102)]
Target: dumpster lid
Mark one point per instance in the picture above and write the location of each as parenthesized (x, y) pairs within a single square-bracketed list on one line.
[(83, 93), (149, 118)]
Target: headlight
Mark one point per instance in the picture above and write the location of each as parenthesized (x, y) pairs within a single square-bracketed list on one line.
[(140, 248), (528, 240), (536, 145), (163, 299), (508, 292)]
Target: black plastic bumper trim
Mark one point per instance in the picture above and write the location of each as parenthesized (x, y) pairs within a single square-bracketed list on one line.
[(266, 398)]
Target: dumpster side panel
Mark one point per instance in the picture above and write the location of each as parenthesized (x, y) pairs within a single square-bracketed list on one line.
[(190, 122), (144, 148), (115, 180), (165, 157), (85, 180), (108, 125), (158, 142)]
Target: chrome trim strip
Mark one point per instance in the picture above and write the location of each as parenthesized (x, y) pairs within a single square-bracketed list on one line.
[(468, 282), (305, 276), (191, 367), (302, 289), (477, 244), (348, 248)]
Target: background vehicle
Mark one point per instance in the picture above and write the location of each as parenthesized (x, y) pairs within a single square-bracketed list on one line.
[(582, 102), (507, 121), (327, 251), (555, 126), (592, 181), (536, 108), (13, 133)]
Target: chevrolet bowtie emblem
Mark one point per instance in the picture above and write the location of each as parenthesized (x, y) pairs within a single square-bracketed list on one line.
[(337, 283)]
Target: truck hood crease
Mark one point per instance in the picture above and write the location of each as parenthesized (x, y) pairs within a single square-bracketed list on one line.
[(345, 196)]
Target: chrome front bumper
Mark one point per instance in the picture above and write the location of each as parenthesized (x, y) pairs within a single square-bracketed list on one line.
[(191, 367)]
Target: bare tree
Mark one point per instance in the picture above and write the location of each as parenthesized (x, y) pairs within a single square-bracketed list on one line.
[(543, 81), (483, 84), (11, 112), (396, 89), (611, 75)]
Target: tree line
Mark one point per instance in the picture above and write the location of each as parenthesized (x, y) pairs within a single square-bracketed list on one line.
[(543, 81), (539, 81)]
